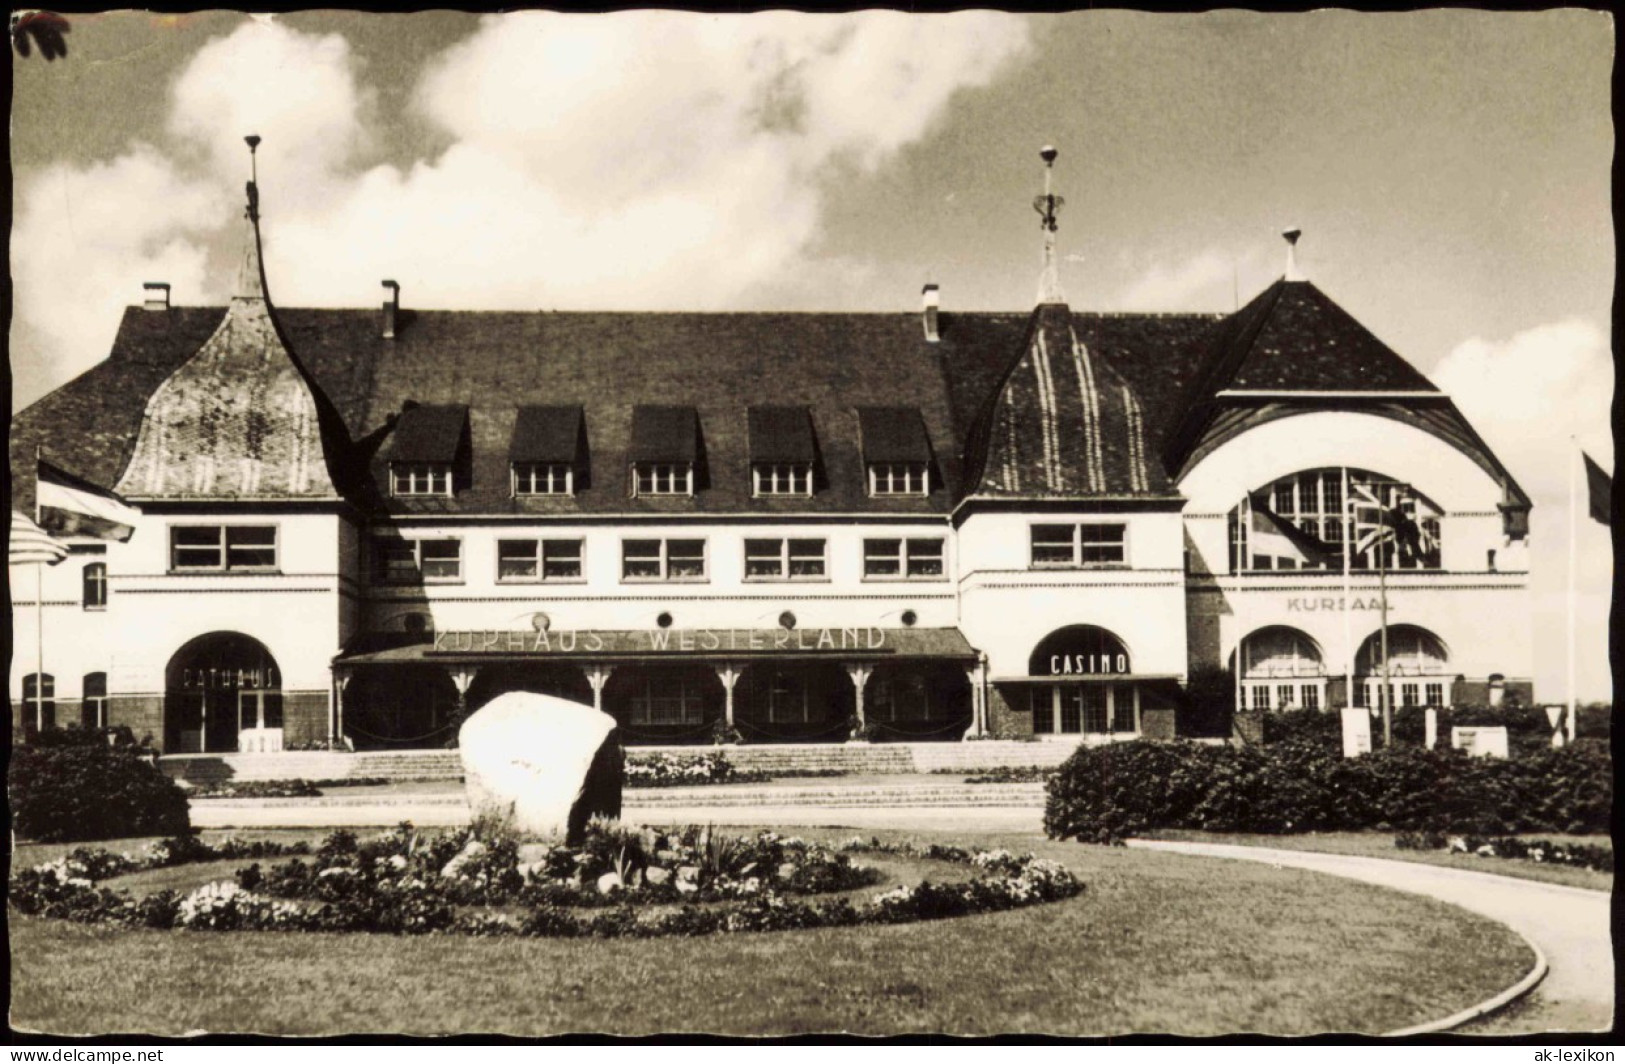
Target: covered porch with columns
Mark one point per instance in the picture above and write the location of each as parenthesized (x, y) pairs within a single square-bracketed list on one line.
[(677, 688)]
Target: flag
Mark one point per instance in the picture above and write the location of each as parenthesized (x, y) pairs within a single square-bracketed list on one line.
[(1270, 533), (1599, 491), (31, 544), (73, 506), (1378, 522)]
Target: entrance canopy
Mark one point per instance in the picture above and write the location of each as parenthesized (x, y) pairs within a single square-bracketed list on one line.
[(582, 646)]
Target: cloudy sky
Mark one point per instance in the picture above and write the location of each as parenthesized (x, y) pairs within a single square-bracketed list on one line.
[(1450, 170)]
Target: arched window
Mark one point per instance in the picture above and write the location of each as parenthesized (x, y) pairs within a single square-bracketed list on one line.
[(39, 701), (1282, 669), (95, 586), (93, 708), (1418, 669), (1330, 506)]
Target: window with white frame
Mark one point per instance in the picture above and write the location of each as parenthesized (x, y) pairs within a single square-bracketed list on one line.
[(899, 478), (222, 548), (528, 560), (903, 559), (662, 559), (782, 478), (420, 478), (784, 559), (1315, 502), (543, 478), (39, 701), (1078, 546), (663, 478), (413, 561)]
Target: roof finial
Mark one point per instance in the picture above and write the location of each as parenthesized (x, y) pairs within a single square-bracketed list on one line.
[(1049, 207), (250, 279), (1291, 237)]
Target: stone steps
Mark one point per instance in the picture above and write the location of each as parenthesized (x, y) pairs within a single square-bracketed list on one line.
[(878, 759)]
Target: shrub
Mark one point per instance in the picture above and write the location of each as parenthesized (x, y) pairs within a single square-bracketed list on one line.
[(1103, 794), (91, 791)]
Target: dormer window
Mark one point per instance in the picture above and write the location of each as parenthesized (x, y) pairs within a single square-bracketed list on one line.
[(543, 478), (899, 478), (782, 451), (429, 446), (896, 452), (663, 478), (545, 456), (419, 478), (781, 478), (665, 451)]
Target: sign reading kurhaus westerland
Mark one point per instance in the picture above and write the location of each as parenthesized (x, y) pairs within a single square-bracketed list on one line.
[(660, 640)]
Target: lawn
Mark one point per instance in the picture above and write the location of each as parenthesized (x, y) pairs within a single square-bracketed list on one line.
[(1381, 844), (1158, 942)]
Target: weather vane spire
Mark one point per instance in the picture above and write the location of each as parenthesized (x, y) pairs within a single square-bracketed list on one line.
[(1049, 207), (250, 278), (1291, 237)]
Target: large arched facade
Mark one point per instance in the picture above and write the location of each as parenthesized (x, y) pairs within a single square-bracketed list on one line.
[(222, 694), (1419, 671), (1282, 668)]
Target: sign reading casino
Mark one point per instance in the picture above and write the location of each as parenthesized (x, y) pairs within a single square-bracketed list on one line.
[(661, 641), (1079, 650)]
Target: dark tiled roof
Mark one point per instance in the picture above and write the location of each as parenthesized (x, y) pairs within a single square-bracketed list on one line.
[(429, 433), (664, 434), (893, 434), (1062, 423), (497, 363), (781, 434), (1290, 338), (546, 434)]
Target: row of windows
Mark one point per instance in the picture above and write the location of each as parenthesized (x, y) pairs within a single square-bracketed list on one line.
[(40, 692), (659, 478), (440, 560)]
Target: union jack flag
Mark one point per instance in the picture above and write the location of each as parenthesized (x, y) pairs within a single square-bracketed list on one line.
[(1387, 514)]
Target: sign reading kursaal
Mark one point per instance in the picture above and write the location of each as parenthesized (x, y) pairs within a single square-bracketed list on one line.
[(660, 640)]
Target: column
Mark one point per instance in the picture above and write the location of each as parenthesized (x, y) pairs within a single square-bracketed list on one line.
[(598, 676), (860, 678), (341, 680), (729, 675), (462, 677), (978, 699)]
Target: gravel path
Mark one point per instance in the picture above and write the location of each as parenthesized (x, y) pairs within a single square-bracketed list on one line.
[(1570, 925)]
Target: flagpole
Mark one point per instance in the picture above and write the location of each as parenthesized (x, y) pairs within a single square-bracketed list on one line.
[(1386, 693), (1574, 524), (1348, 591), (39, 616)]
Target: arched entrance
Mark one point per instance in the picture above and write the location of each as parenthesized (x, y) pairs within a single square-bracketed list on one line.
[(403, 707), (1079, 693), (1418, 669), (919, 700), (217, 688), (795, 702), (1282, 668), (664, 704)]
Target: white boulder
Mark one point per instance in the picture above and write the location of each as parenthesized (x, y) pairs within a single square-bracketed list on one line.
[(526, 758)]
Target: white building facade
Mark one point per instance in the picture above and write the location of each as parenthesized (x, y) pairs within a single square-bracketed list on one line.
[(358, 526)]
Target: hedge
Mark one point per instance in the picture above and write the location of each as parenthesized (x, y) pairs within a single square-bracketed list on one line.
[(1105, 793), (73, 793)]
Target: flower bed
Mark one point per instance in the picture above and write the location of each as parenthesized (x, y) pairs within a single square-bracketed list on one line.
[(686, 770), (1541, 851), (276, 788), (645, 883)]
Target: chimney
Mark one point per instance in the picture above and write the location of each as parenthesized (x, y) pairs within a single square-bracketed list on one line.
[(391, 306), (1291, 237), (157, 295), (930, 298)]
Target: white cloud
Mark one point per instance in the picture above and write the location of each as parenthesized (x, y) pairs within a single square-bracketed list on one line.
[(1527, 395), (1206, 281), (645, 159), (85, 240)]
